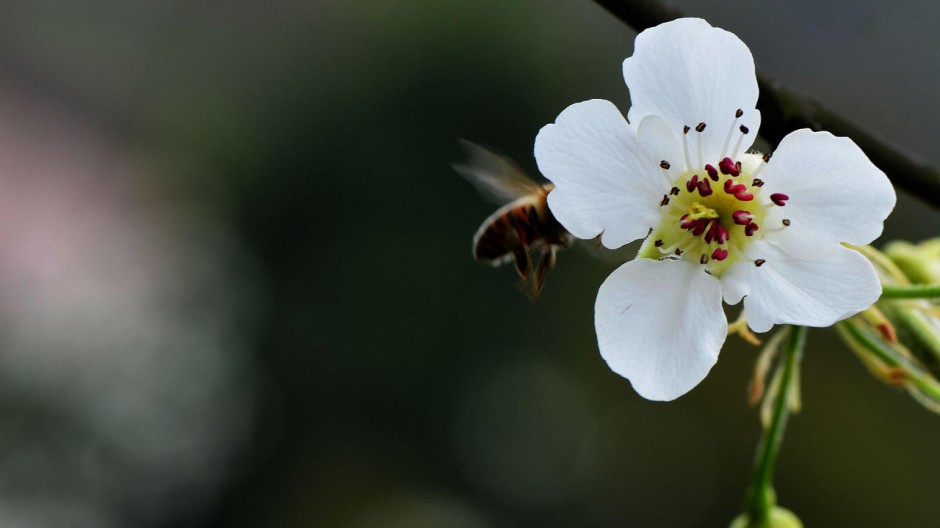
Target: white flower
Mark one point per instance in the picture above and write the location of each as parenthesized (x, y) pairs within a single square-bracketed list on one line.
[(725, 224)]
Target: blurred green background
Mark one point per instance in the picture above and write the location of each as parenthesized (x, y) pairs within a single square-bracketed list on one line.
[(236, 286)]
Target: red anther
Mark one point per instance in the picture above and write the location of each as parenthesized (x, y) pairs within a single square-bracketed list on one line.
[(751, 228), (726, 166), (712, 172), (687, 224), (704, 188), (719, 254), (779, 199), (692, 183), (722, 235), (743, 195), (728, 185), (716, 233), (699, 228), (741, 217)]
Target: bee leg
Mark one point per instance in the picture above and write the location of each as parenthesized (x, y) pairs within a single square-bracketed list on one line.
[(523, 263), (546, 264)]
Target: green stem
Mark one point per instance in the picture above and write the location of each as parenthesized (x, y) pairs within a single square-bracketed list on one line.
[(917, 291), (760, 495)]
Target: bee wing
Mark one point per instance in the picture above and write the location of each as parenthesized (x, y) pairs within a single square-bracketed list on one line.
[(497, 178)]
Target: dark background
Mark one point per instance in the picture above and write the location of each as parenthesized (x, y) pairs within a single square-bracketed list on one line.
[(236, 286)]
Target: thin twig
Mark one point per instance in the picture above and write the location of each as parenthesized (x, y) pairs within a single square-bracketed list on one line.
[(784, 110)]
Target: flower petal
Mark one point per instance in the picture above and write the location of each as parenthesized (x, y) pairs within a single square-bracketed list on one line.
[(689, 72), (660, 324), (605, 180), (836, 194), (787, 290)]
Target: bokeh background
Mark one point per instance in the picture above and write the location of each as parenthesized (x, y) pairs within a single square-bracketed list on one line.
[(236, 286)]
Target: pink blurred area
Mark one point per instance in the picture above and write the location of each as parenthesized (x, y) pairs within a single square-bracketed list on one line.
[(117, 321)]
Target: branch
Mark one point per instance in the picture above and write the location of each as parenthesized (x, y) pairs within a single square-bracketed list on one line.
[(784, 110)]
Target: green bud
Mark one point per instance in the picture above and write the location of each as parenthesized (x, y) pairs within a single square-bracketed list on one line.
[(919, 262), (778, 518)]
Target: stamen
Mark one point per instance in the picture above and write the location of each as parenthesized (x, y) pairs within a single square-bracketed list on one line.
[(665, 200), (674, 191), (738, 190), (685, 148), (678, 252), (767, 157), (698, 143), (658, 243), (700, 226), (712, 232), (744, 129), (712, 172), (726, 166), (664, 164), (692, 183), (719, 254), (704, 188), (751, 228), (757, 183), (703, 259), (722, 235), (716, 233), (741, 217), (786, 222), (759, 262), (737, 146), (724, 146), (759, 169), (779, 199)]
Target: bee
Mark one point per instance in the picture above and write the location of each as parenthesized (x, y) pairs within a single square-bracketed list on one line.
[(522, 230)]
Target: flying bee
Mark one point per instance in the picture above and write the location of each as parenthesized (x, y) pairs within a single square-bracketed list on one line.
[(523, 229)]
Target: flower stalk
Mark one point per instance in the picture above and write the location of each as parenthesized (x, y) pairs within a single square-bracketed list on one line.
[(760, 499), (917, 291)]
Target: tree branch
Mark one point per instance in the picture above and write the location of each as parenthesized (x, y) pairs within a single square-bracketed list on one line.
[(784, 110)]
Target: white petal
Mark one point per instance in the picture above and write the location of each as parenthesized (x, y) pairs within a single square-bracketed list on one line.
[(689, 72), (663, 144), (605, 180), (786, 290), (836, 194), (660, 324)]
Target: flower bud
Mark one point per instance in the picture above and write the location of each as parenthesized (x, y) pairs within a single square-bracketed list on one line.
[(919, 262), (898, 340), (778, 518)]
